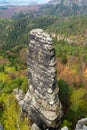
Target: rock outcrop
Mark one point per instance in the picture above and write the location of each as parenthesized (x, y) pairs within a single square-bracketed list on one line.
[(64, 128), (41, 101), (1, 127), (81, 124), (35, 127), (19, 94)]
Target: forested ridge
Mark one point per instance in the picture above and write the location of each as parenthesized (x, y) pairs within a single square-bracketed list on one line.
[(16, 31), (71, 63), (62, 10)]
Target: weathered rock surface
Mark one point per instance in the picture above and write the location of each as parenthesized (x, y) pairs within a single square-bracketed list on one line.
[(1, 127), (41, 101), (19, 94), (81, 124), (35, 127), (64, 128)]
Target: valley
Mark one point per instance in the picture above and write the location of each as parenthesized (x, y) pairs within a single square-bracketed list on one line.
[(9, 11), (69, 34)]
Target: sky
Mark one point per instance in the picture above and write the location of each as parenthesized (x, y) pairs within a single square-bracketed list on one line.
[(42, 1), (38, 1)]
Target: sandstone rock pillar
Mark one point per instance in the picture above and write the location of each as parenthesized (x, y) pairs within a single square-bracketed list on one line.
[(41, 101)]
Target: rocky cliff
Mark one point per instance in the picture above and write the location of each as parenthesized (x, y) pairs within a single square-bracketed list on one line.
[(41, 102), (69, 2)]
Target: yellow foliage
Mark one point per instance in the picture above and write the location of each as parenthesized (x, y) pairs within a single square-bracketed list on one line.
[(83, 106), (4, 77), (11, 115), (9, 69), (1, 57), (75, 68), (77, 95)]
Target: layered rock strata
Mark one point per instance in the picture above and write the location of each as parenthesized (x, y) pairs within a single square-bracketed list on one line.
[(19, 94), (41, 101)]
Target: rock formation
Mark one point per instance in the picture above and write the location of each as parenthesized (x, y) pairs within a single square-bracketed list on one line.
[(41, 101), (1, 127), (81, 124), (35, 127), (68, 2), (19, 94), (64, 128)]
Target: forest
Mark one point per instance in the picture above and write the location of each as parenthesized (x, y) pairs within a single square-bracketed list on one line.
[(71, 59)]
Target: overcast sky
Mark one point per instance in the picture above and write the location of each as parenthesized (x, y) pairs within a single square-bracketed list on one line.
[(38, 1), (42, 1)]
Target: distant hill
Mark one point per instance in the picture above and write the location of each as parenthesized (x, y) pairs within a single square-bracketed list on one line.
[(65, 8), (9, 11), (54, 7), (17, 3)]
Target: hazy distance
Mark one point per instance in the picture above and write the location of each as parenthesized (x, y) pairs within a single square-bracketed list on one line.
[(22, 2)]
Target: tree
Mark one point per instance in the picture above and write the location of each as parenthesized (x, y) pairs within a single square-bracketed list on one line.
[(11, 115), (64, 93)]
